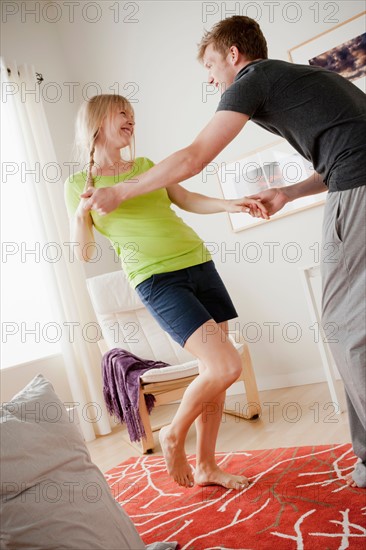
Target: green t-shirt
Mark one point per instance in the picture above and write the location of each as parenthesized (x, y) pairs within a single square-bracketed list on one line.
[(145, 232)]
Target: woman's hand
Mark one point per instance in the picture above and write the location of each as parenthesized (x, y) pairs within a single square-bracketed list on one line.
[(251, 206)]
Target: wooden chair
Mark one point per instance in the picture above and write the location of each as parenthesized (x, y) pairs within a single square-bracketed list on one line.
[(126, 323)]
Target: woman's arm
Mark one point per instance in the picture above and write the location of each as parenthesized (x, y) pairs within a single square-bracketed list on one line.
[(81, 231), (201, 204)]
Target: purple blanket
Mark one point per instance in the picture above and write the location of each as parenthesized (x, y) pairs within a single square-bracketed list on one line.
[(121, 385)]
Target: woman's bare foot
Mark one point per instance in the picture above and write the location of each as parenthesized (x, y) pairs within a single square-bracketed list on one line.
[(175, 459), (216, 476)]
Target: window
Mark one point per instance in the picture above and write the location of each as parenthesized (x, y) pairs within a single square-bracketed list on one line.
[(29, 330)]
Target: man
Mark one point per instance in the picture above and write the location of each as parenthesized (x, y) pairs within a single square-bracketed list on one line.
[(323, 116)]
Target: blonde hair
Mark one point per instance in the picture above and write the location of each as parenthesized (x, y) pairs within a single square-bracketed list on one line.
[(238, 30), (89, 120)]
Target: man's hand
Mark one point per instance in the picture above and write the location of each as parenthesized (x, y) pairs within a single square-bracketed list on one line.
[(103, 200), (253, 207), (272, 199)]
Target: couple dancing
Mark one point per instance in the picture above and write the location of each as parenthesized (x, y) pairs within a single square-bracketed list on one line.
[(130, 201)]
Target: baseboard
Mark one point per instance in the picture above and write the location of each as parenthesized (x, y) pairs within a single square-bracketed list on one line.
[(276, 381)]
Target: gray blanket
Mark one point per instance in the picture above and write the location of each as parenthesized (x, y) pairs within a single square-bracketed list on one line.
[(162, 546)]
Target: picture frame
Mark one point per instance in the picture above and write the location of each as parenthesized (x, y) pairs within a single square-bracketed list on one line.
[(341, 49), (275, 165)]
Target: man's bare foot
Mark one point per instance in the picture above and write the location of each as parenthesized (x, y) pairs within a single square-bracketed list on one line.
[(358, 477), (350, 481), (216, 476), (175, 459)]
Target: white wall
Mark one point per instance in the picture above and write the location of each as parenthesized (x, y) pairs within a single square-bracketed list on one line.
[(149, 55)]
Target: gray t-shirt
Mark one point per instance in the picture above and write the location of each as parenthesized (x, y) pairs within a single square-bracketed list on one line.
[(320, 113)]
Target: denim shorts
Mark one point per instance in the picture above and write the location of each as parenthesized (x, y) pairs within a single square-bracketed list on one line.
[(182, 301)]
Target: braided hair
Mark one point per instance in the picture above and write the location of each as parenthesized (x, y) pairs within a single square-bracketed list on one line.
[(89, 178)]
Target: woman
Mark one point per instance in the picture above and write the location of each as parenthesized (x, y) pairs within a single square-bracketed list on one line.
[(171, 270)]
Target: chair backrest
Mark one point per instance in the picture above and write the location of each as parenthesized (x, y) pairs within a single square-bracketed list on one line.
[(126, 323)]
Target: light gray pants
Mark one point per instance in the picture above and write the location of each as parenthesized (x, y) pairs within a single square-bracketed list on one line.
[(343, 267)]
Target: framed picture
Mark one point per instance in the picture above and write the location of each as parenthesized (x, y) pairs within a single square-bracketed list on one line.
[(341, 49), (276, 165)]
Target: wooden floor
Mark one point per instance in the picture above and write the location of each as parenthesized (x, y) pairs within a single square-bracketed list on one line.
[(301, 415)]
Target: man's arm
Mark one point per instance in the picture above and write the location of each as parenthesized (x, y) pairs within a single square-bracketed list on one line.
[(185, 163), (311, 186), (276, 198)]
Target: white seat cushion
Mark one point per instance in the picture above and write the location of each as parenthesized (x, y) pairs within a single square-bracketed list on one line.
[(174, 372)]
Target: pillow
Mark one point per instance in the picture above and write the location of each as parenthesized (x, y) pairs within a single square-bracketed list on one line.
[(52, 495)]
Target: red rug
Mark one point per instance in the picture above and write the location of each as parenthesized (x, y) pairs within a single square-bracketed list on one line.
[(297, 499)]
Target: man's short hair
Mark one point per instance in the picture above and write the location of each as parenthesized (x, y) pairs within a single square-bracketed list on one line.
[(240, 31)]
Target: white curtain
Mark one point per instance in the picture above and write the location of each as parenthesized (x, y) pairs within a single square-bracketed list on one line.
[(66, 279)]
